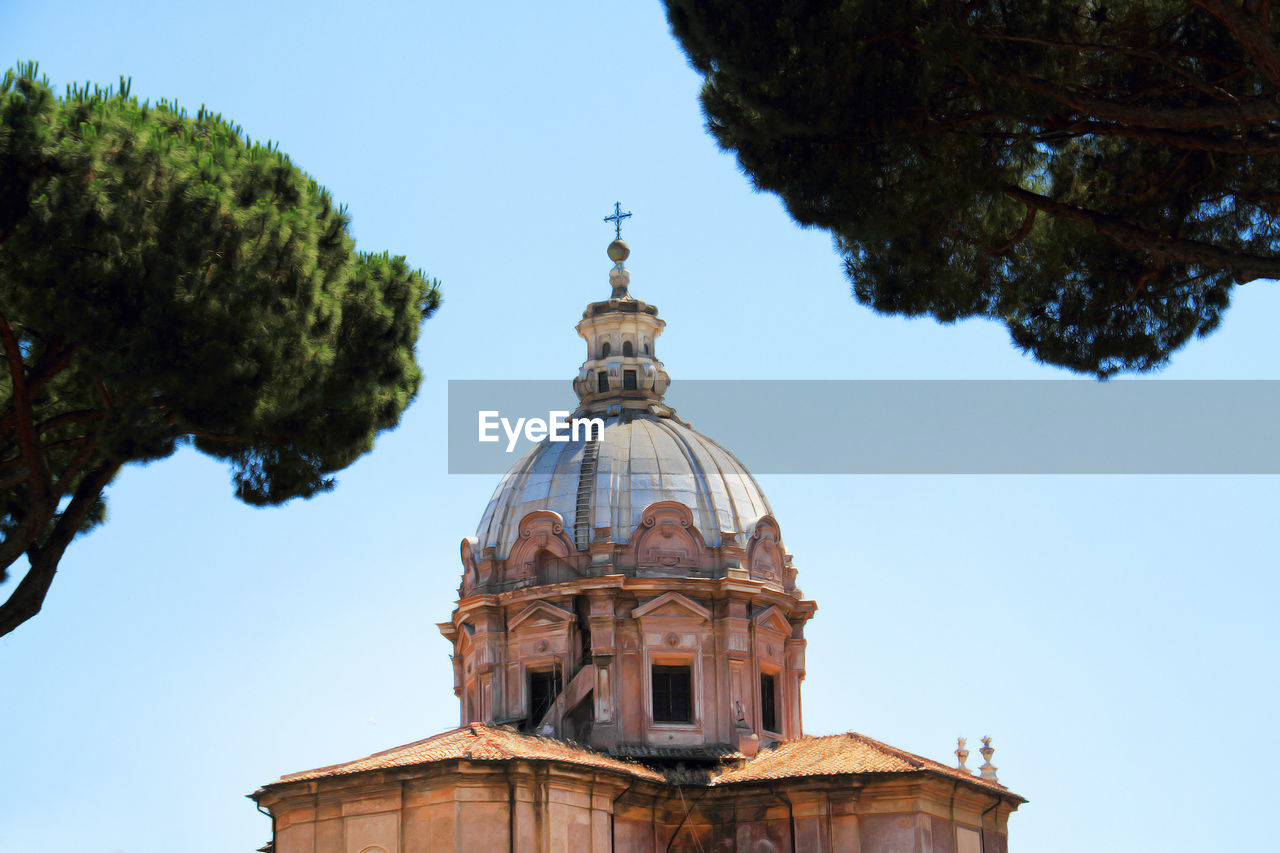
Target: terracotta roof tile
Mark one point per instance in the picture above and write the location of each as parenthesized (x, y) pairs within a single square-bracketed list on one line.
[(711, 751), (475, 742), (832, 755), (835, 755)]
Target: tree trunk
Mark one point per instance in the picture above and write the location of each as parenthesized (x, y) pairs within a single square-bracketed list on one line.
[(29, 596)]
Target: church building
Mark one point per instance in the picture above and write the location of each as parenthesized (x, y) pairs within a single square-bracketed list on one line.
[(628, 654)]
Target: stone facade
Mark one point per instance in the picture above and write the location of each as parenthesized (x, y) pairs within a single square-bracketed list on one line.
[(628, 651), (671, 567), (547, 805), (602, 635)]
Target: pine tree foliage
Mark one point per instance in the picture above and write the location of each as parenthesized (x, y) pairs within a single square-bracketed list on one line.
[(165, 280), (1096, 175)]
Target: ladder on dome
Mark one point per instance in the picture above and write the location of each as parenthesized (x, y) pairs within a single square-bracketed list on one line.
[(586, 486)]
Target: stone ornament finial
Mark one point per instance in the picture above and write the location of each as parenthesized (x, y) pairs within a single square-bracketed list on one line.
[(987, 770), (619, 278), (963, 755)]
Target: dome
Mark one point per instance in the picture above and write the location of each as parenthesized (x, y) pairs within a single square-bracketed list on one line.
[(628, 587), (640, 459)]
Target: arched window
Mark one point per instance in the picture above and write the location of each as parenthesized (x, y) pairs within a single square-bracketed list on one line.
[(628, 349), (602, 381), (604, 350), (646, 348)]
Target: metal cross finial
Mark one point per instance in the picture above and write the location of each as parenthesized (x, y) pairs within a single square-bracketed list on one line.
[(616, 219)]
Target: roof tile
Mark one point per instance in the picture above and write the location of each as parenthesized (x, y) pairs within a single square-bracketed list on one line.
[(832, 755), (835, 755), (475, 742)]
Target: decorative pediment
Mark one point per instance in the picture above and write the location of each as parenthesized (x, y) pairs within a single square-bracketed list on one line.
[(545, 529), (765, 557), (542, 537), (671, 604), (772, 619), (542, 613), (666, 536)]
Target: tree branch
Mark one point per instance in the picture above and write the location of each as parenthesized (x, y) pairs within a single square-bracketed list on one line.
[(40, 505), (1252, 33), (1207, 88), (28, 440), (1028, 220), (1260, 9), (53, 445), (70, 418), (1241, 144), (56, 358), (1154, 116), (29, 596), (82, 458), (1243, 267), (9, 481), (1238, 144)]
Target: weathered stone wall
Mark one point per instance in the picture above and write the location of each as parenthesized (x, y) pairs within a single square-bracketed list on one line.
[(728, 631), (544, 808)]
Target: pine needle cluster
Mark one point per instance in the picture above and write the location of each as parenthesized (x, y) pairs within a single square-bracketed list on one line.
[(166, 280), (1098, 176)]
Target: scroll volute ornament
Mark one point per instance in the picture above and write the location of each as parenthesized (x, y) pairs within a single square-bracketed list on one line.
[(470, 565), (666, 537), (540, 531), (765, 557)]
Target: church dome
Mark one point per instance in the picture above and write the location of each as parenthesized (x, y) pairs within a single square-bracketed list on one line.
[(628, 586), (641, 458), (600, 485)]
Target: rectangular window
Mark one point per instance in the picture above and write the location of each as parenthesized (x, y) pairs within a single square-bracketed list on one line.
[(768, 703), (628, 380), (602, 381), (672, 694), (544, 687)]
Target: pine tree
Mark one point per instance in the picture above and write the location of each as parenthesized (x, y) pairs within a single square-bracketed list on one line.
[(164, 280), (1096, 175)]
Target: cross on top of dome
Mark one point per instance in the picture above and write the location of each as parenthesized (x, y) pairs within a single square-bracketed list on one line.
[(617, 218), (618, 252)]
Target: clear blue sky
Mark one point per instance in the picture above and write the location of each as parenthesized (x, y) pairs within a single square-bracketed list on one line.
[(1114, 635)]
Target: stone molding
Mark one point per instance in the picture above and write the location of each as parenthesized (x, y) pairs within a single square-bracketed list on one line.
[(666, 543), (728, 631), (544, 806)]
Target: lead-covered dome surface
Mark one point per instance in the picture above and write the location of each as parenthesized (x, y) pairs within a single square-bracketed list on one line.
[(640, 459)]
